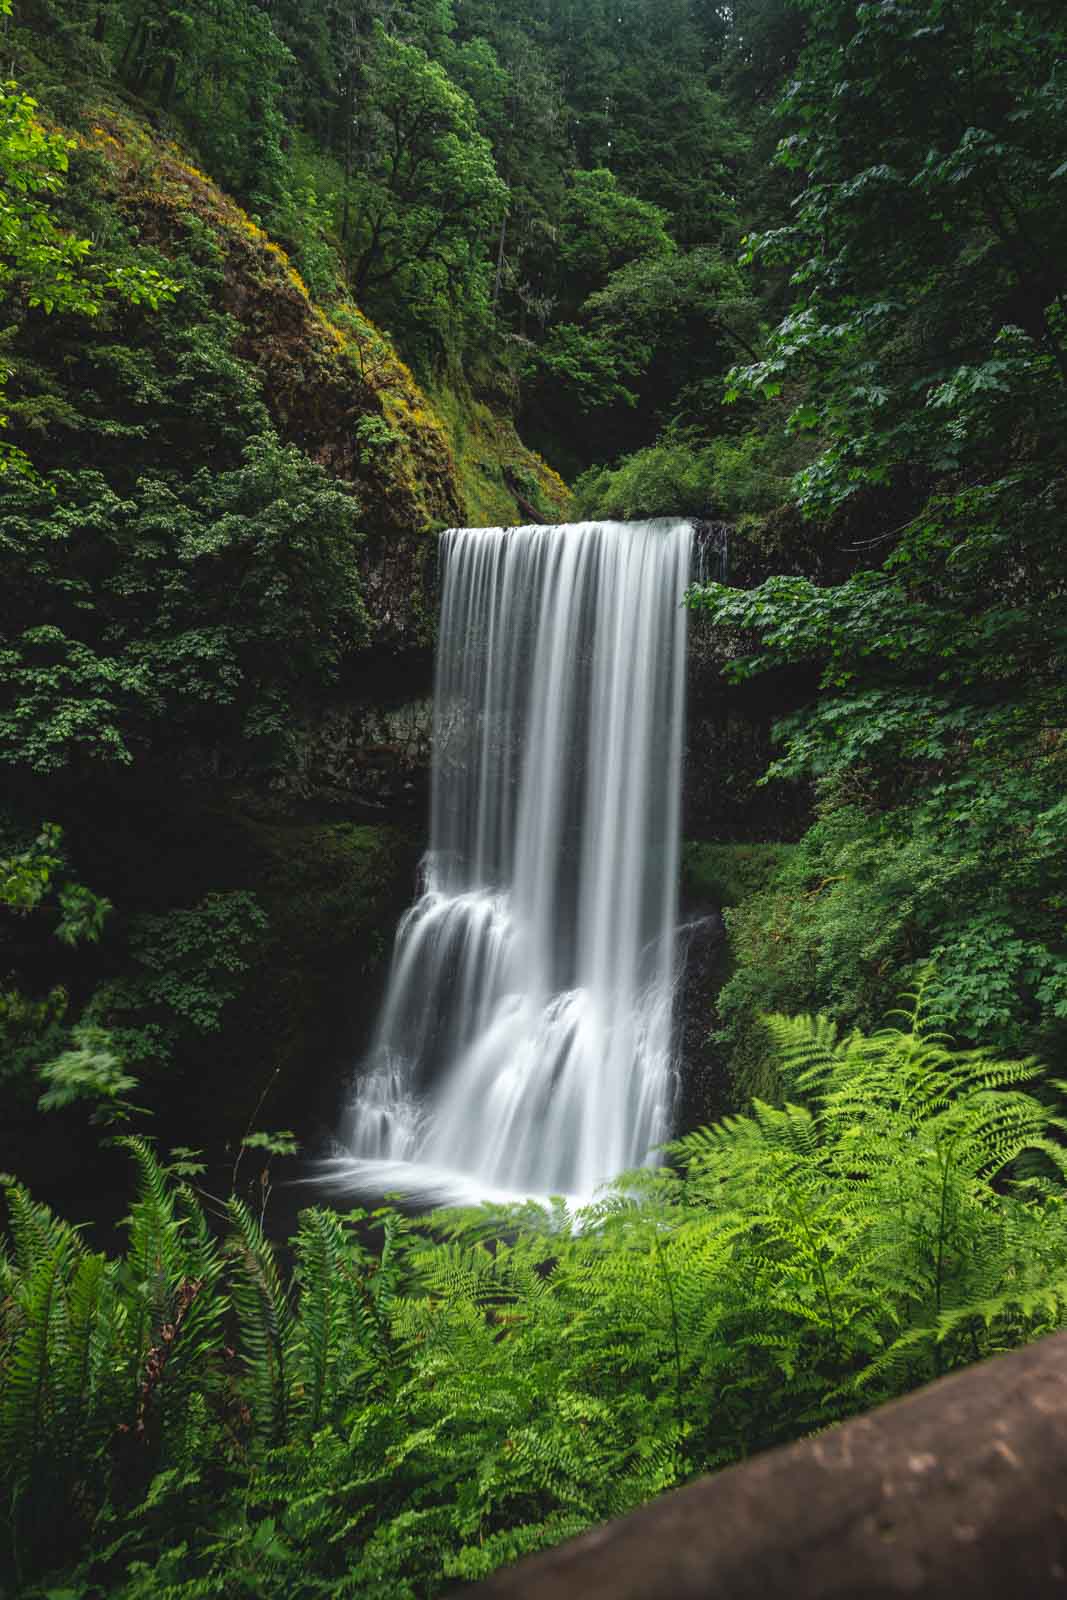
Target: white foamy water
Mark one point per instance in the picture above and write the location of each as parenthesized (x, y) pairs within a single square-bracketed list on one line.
[(524, 1046)]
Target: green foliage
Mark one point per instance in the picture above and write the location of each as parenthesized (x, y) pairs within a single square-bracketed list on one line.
[(585, 366), (42, 263), (32, 1031), (927, 243), (426, 192), (685, 474), (690, 314), (887, 1238), (102, 1362), (473, 175), (376, 438), (936, 744), (212, 601), (185, 967), (193, 959), (40, 900), (265, 1322), (961, 881), (221, 67), (159, 576), (655, 331), (29, 876), (423, 1402), (91, 1070), (602, 228), (921, 352), (941, 656), (34, 249), (282, 1143)]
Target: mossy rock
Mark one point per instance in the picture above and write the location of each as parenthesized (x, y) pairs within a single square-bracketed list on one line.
[(501, 482), (715, 878)]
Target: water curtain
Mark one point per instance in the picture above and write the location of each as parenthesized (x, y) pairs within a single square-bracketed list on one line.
[(525, 1042)]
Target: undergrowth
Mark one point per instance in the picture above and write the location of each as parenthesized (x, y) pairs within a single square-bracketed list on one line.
[(416, 1403)]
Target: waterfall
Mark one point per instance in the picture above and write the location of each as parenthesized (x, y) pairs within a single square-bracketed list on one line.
[(525, 1041)]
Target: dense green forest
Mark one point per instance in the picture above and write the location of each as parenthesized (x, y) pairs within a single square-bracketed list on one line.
[(287, 289)]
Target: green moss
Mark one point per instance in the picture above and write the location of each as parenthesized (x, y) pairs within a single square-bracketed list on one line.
[(726, 874), (494, 468), (726, 1066)]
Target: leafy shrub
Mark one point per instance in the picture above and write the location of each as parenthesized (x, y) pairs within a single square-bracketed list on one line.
[(960, 882), (186, 965), (683, 474), (211, 604), (40, 900)]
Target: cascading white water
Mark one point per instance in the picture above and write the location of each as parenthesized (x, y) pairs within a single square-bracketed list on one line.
[(525, 1040)]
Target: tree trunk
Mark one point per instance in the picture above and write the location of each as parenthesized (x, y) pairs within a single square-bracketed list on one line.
[(170, 78), (498, 279)]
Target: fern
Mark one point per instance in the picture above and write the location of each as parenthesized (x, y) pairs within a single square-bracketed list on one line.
[(28, 1369), (153, 1267), (265, 1323), (320, 1357), (424, 1400), (83, 1367)]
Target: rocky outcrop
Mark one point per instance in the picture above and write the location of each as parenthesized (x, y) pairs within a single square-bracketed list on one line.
[(371, 753)]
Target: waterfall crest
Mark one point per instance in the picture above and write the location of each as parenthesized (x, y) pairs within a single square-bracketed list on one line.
[(524, 1044)]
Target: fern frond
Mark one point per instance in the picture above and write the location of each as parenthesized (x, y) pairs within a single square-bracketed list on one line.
[(36, 1231), (321, 1247), (265, 1325), (27, 1370)]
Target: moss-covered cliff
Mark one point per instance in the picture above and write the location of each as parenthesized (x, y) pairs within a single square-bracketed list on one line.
[(420, 459)]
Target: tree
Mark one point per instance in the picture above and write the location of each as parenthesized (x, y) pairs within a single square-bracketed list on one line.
[(223, 66), (930, 239), (426, 198), (519, 101), (695, 313), (583, 365)]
